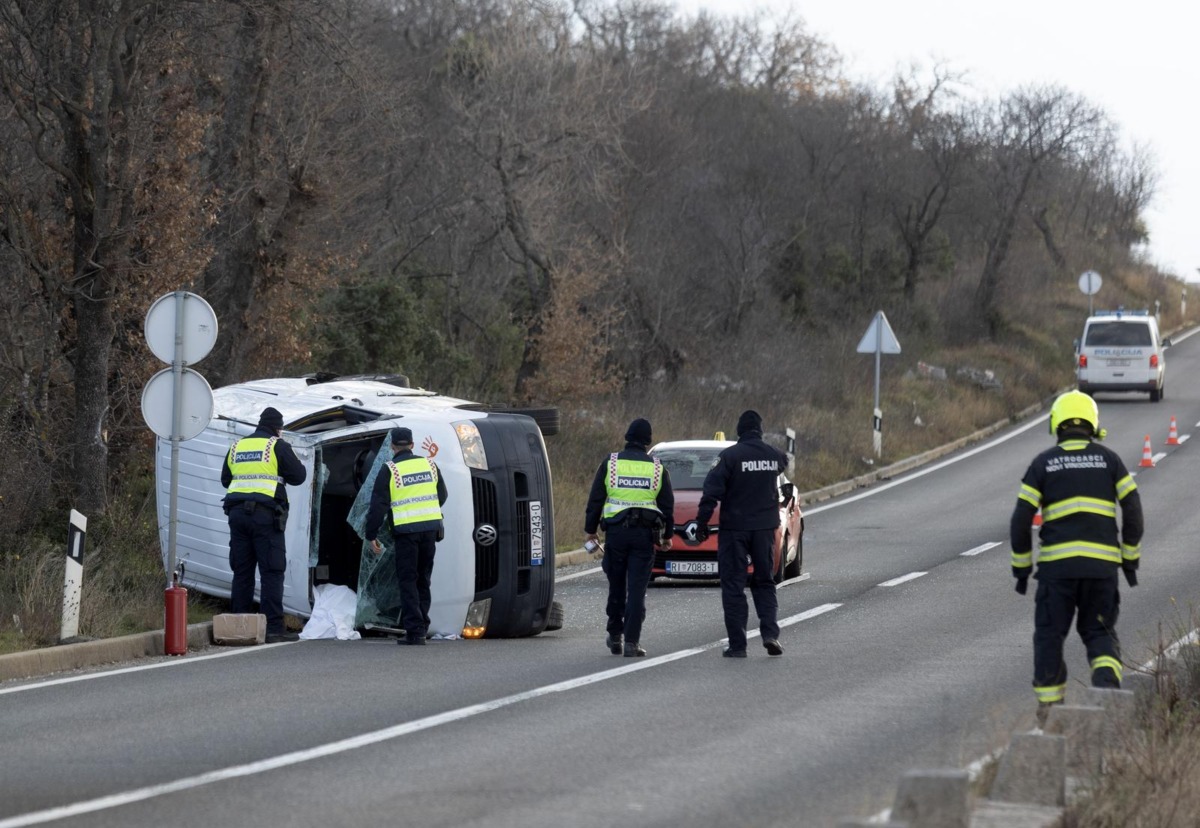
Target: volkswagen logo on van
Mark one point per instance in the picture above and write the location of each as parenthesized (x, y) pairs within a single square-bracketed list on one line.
[(485, 534)]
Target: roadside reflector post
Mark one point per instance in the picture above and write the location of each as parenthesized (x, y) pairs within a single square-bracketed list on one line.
[(73, 577)]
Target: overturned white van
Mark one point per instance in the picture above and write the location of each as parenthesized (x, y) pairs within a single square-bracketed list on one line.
[(494, 571)]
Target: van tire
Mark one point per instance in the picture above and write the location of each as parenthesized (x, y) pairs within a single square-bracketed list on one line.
[(1156, 394), (554, 621), (548, 419)]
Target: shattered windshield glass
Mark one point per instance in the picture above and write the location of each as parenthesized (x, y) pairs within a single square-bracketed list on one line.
[(378, 590)]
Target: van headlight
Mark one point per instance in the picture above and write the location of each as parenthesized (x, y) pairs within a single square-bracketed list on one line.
[(477, 617), (471, 444)]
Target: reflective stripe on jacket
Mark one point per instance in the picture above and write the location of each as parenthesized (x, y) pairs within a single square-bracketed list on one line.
[(254, 466), (414, 494), (632, 484)]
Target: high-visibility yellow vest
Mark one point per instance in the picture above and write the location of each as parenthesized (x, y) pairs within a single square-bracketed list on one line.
[(414, 492), (632, 484), (254, 466)]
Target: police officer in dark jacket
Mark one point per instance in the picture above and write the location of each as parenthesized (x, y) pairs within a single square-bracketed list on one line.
[(411, 490), (632, 500), (745, 482), (1077, 485), (256, 503)]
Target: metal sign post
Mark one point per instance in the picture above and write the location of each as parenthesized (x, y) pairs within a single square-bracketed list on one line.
[(879, 339)]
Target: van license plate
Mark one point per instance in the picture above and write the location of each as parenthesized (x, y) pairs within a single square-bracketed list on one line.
[(535, 533), (691, 567), (1118, 363)]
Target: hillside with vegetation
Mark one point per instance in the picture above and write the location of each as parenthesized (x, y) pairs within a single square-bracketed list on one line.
[(604, 207)]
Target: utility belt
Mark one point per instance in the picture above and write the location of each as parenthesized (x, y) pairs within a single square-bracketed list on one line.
[(280, 511), (638, 519)]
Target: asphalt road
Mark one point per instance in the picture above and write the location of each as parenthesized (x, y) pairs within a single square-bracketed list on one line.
[(906, 648)]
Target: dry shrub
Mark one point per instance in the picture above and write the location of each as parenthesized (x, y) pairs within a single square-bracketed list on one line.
[(122, 583)]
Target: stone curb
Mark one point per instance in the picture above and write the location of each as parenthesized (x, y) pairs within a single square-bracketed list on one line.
[(46, 660)]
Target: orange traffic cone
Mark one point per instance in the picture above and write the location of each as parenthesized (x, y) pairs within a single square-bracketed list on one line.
[(1037, 518), (1147, 457), (1173, 434)]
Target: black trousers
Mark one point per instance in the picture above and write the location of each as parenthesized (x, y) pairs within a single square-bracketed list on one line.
[(1094, 604), (414, 568), (254, 542), (628, 559), (736, 550)]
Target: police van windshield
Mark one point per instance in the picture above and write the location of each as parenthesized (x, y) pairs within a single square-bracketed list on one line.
[(1120, 334), (688, 467)]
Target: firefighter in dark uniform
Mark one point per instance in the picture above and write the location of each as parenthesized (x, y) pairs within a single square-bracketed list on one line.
[(1077, 485), (632, 500), (256, 503), (413, 492), (745, 482)]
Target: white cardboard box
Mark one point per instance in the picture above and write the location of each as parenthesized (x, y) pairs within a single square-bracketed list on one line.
[(239, 628)]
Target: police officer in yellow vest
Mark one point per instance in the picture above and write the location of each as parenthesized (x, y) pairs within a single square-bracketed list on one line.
[(254, 474), (410, 489), (1078, 485), (632, 500)]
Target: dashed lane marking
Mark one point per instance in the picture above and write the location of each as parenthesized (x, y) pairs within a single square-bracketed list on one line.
[(983, 547), (912, 576)]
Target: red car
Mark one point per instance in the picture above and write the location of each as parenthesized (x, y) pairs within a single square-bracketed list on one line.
[(689, 461)]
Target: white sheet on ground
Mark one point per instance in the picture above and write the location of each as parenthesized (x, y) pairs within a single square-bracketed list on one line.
[(333, 614)]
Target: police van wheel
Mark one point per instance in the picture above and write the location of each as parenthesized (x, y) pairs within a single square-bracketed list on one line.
[(793, 569)]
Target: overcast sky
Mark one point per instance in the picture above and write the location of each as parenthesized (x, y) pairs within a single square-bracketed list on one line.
[(1139, 61)]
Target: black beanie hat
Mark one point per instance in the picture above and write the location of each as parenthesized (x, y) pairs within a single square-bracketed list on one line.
[(401, 436), (638, 432), (270, 418), (749, 421)]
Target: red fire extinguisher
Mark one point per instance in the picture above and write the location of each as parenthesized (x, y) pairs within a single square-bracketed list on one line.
[(175, 625)]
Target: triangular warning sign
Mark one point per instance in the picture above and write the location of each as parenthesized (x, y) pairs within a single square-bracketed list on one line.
[(879, 337)]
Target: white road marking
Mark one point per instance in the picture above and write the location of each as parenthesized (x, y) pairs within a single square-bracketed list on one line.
[(983, 547), (912, 576), (366, 739), (574, 575), (139, 668), (1158, 457), (1183, 438)]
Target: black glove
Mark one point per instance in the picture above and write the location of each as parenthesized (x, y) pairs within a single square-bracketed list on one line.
[(1022, 585), (702, 531), (1130, 574)]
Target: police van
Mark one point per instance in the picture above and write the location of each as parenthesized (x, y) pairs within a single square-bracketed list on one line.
[(1121, 351), (494, 570)]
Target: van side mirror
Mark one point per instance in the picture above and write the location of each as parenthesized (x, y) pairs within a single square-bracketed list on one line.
[(1077, 346), (1166, 343), (786, 491)]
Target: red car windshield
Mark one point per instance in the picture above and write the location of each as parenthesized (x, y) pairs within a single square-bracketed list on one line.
[(688, 467)]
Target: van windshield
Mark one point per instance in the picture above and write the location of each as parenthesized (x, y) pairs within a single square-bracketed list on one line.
[(1122, 334)]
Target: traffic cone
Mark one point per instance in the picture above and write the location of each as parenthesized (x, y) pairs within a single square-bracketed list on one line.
[(1147, 457), (1173, 434), (1037, 518)]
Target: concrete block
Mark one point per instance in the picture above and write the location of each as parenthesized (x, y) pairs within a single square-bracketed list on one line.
[(869, 823), (1116, 703), (1084, 727), (934, 799), (1033, 770)]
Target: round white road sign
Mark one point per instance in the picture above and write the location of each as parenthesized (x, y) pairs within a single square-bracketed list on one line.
[(198, 331), (196, 404), (1089, 282)]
